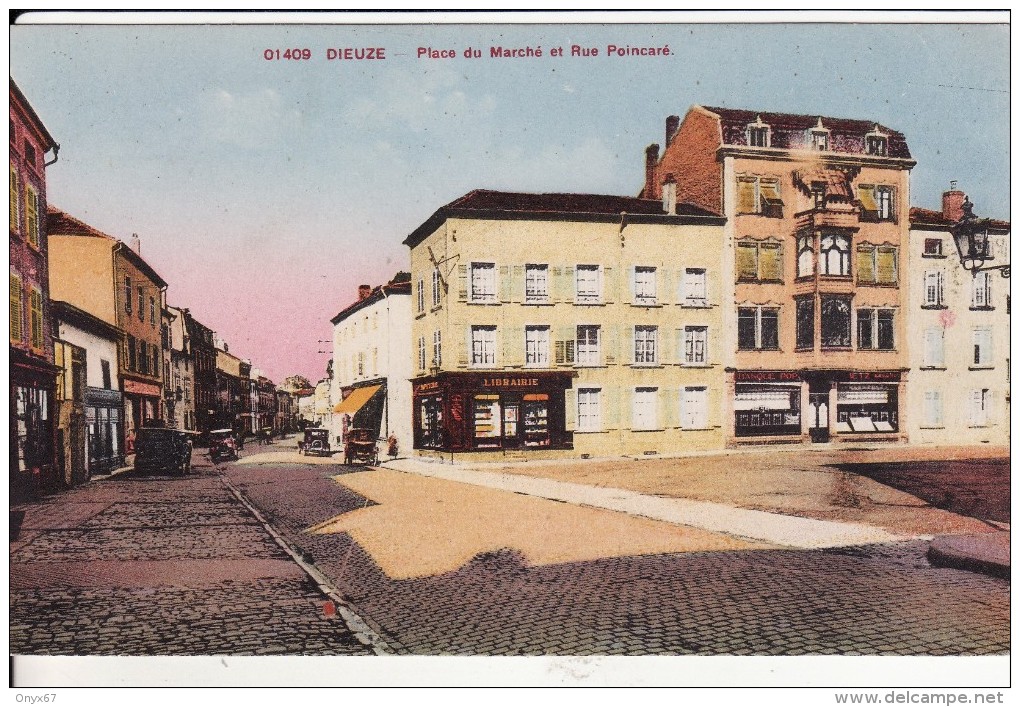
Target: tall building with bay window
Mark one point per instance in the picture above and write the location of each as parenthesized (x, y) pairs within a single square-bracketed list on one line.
[(552, 325), (31, 359), (813, 267), (959, 324)]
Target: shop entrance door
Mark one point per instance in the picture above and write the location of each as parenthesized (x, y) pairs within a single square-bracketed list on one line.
[(511, 424), (818, 416)]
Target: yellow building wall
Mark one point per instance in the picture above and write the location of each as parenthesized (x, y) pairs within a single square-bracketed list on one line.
[(81, 273)]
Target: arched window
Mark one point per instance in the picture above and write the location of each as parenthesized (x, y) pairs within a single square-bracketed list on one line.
[(835, 255)]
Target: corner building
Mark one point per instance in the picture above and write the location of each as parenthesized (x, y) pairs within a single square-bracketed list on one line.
[(813, 257), (559, 325)]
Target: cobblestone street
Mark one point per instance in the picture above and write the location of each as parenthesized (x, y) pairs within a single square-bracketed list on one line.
[(161, 566)]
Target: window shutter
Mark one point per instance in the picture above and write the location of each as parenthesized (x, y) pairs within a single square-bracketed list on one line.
[(35, 316), (561, 352), (663, 280), (664, 342), (866, 196), (464, 355), (865, 263), (632, 270), (887, 265), (747, 260), (504, 283), (462, 287), (570, 405), (680, 286), (628, 343), (17, 334), (771, 257), (569, 283), (15, 201), (745, 195), (517, 284), (608, 285), (557, 285), (31, 215), (513, 346), (975, 407), (610, 343), (610, 402), (668, 408), (678, 341)]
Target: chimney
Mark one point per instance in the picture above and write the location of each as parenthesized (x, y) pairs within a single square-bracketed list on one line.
[(364, 291), (672, 125), (651, 160), (136, 243), (952, 203), (669, 194)]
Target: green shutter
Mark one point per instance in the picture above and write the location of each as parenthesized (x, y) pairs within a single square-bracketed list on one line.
[(513, 346), (746, 203), (771, 259), (610, 401), (627, 342), (36, 319), (504, 283), (15, 201), (517, 284), (570, 408), (31, 215), (17, 332), (865, 263), (557, 286), (608, 285), (887, 265), (610, 344), (569, 283), (462, 280), (866, 196), (747, 260)]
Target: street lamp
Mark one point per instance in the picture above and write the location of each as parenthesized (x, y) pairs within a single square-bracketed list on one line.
[(972, 242)]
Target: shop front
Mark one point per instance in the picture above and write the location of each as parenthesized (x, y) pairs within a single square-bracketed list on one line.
[(767, 403), (867, 403), (31, 427), (362, 407), (104, 421), (141, 406), (465, 412)]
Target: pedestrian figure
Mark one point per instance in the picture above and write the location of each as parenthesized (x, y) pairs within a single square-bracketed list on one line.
[(392, 447)]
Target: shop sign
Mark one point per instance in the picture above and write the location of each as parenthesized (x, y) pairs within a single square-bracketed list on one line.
[(509, 382), (766, 377), (426, 387), (873, 376)]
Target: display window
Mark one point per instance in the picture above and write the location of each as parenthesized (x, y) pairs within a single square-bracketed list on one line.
[(764, 409), (866, 408)]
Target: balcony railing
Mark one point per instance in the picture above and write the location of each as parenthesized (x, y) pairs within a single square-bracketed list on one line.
[(818, 219)]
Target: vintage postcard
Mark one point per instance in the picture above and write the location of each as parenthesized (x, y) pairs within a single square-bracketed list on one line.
[(626, 349)]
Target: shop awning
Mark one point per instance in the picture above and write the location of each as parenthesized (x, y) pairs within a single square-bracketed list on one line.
[(357, 399)]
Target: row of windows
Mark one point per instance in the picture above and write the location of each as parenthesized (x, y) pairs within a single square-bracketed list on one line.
[(934, 290), (141, 356), (582, 345), (140, 291), (759, 134), (534, 283), (31, 200), (760, 194), (935, 348), (651, 408), (758, 326), (34, 311), (980, 404), (762, 261)]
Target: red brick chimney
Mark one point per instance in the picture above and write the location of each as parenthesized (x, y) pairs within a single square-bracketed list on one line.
[(364, 291), (672, 125), (952, 203), (651, 160)]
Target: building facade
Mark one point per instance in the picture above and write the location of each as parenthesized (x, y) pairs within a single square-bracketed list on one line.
[(104, 277), (32, 369), (959, 323), (371, 371), (180, 372), (92, 405), (233, 392), (552, 325), (203, 353), (814, 260)]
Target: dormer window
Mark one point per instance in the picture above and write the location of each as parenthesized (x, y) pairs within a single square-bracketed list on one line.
[(818, 194), (818, 137), (876, 143), (759, 134)]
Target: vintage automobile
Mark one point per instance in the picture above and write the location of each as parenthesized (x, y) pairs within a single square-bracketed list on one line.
[(361, 447), (222, 445), (316, 442), (163, 450)]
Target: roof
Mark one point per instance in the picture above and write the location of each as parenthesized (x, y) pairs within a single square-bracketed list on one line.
[(39, 125), (74, 316), (60, 223), (397, 286), (787, 122), (928, 217), (483, 203)]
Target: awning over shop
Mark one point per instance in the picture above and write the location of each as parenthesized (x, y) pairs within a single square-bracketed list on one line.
[(357, 399)]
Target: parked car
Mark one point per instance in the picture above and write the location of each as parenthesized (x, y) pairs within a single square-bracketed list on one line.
[(316, 442), (222, 445), (161, 449)]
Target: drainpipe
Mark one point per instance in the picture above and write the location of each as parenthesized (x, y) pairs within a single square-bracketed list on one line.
[(389, 368), (56, 154)]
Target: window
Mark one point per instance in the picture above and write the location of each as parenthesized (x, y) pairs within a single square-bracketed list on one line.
[(876, 145), (757, 328), (30, 157), (127, 295), (835, 255), (483, 282), (31, 215), (806, 323), (35, 319), (483, 345), (107, 379), (876, 329), (759, 136), (981, 291), (644, 285), (17, 332), (805, 256), (152, 311), (818, 195), (982, 347), (645, 344), (437, 348), (876, 202), (694, 408), (536, 284), (141, 303), (759, 195), (645, 410), (759, 260), (437, 284), (589, 290), (818, 140), (877, 264), (132, 359), (835, 321), (143, 357), (536, 346), (589, 409), (934, 347), (421, 295), (979, 407), (588, 345), (695, 345), (361, 363), (934, 288), (695, 287), (15, 202), (932, 408), (932, 247)]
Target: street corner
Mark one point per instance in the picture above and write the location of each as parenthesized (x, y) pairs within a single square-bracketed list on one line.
[(985, 553), (454, 522)]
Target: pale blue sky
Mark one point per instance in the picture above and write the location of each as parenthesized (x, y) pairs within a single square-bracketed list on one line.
[(266, 191)]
